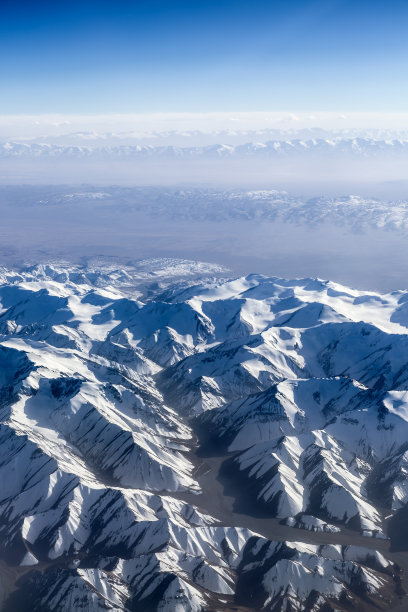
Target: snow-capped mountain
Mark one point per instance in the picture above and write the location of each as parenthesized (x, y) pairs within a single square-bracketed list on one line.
[(352, 212), (356, 213), (339, 146), (122, 389)]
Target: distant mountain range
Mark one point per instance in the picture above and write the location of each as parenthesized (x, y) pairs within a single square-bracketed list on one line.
[(173, 441), (216, 205), (357, 146)]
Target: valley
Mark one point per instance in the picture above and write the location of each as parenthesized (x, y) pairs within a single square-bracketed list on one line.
[(175, 440)]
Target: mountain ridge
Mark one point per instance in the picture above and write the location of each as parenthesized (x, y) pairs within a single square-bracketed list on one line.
[(281, 148), (102, 400)]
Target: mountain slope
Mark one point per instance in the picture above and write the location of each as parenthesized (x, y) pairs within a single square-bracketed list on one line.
[(108, 402)]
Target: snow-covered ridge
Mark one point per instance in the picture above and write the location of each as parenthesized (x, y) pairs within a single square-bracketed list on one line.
[(196, 137), (102, 380), (339, 146), (353, 212)]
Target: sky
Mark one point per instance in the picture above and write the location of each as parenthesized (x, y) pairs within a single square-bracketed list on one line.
[(178, 56)]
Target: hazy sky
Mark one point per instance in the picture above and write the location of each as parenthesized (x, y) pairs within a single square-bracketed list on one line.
[(99, 56)]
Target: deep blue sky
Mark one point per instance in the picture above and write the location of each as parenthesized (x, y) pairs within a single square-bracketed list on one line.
[(79, 56)]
